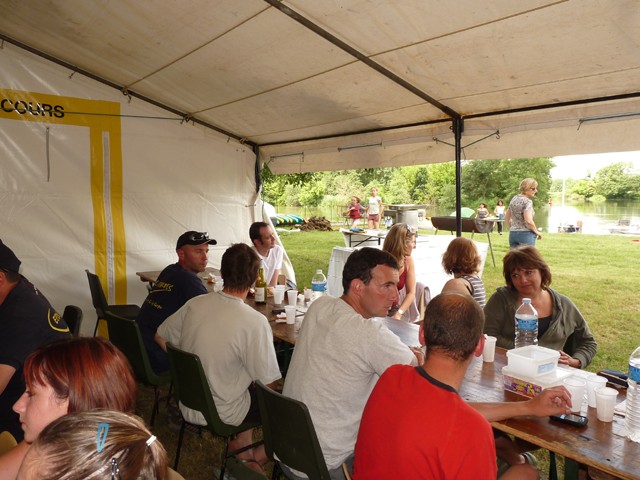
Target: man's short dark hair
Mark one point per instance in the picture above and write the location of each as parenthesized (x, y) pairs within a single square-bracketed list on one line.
[(254, 230), (361, 262), (239, 267), (453, 324), (12, 277)]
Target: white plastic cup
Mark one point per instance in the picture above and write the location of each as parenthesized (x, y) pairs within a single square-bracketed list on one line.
[(489, 351), (593, 382), (278, 296), (577, 389), (292, 295), (307, 294), (605, 403), (290, 311)]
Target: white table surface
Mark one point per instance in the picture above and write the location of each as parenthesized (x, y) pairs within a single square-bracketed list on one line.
[(427, 257)]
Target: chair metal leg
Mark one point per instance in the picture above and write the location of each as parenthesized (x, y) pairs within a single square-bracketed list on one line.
[(276, 470), (553, 470), (180, 437), (225, 455), (156, 404)]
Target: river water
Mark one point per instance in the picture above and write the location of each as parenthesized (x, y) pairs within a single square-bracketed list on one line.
[(597, 218)]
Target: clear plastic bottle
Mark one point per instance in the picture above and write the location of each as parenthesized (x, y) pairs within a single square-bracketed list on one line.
[(319, 283), (526, 324), (632, 415)]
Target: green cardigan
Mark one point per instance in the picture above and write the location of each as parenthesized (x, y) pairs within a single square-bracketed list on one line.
[(566, 320)]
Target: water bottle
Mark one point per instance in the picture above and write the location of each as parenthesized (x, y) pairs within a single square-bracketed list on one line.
[(632, 415), (526, 324), (319, 283)]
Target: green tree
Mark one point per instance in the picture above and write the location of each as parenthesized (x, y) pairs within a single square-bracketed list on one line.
[(584, 187), (490, 180), (614, 181)]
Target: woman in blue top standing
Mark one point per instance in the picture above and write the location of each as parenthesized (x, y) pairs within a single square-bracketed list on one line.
[(519, 216)]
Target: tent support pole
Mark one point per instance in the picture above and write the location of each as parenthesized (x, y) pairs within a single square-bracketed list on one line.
[(458, 128)]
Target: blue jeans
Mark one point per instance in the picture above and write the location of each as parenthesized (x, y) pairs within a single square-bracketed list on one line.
[(521, 238)]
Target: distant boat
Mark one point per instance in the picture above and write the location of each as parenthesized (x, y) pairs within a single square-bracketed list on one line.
[(625, 230), (624, 227), (570, 227)]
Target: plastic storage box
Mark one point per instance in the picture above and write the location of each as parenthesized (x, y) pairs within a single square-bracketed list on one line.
[(532, 386), (532, 360)]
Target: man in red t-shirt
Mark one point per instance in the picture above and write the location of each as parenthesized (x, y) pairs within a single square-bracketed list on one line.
[(415, 425)]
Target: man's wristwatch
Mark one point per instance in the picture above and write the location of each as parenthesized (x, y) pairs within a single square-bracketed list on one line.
[(400, 311)]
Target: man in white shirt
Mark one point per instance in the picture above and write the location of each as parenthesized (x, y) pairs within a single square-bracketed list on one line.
[(341, 351), (264, 242), (234, 343)]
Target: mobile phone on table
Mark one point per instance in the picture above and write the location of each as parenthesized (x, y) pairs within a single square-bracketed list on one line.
[(571, 419), (277, 311)]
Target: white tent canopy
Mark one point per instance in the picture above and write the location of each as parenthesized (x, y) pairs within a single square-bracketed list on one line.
[(92, 178), (552, 77)]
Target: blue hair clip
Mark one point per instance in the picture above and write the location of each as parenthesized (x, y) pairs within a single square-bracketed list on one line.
[(103, 430)]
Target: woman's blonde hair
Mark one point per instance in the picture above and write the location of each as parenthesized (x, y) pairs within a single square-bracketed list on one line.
[(92, 445), (397, 240), (526, 184)]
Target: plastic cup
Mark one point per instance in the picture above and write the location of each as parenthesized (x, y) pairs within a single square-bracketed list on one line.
[(292, 295), (278, 296), (307, 294), (594, 382), (577, 389), (489, 351), (605, 403), (290, 311)]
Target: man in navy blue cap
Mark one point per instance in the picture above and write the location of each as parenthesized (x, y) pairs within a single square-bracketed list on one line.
[(27, 320), (176, 284)]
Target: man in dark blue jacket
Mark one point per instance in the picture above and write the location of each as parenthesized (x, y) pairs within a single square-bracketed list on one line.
[(176, 284)]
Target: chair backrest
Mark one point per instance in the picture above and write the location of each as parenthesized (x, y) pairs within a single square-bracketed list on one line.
[(289, 433), (191, 388), (73, 317), (125, 334), (97, 294)]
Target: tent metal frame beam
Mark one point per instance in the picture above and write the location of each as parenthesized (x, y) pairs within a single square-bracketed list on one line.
[(345, 47)]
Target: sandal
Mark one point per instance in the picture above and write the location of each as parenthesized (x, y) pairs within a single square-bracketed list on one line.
[(530, 459)]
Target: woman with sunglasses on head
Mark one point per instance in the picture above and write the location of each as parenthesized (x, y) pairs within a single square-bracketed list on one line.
[(72, 375), (99, 444), (519, 216), (400, 242)]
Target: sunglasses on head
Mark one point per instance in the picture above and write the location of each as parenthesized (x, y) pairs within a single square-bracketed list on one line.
[(199, 236)]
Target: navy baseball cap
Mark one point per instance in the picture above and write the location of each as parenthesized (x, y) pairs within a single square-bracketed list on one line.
[(8, 259), (194, 238)]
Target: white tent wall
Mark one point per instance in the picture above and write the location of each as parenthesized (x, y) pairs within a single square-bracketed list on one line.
[(159, 177)]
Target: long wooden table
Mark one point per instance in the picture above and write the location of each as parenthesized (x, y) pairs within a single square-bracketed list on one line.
[(281, 331), (601, 445)]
